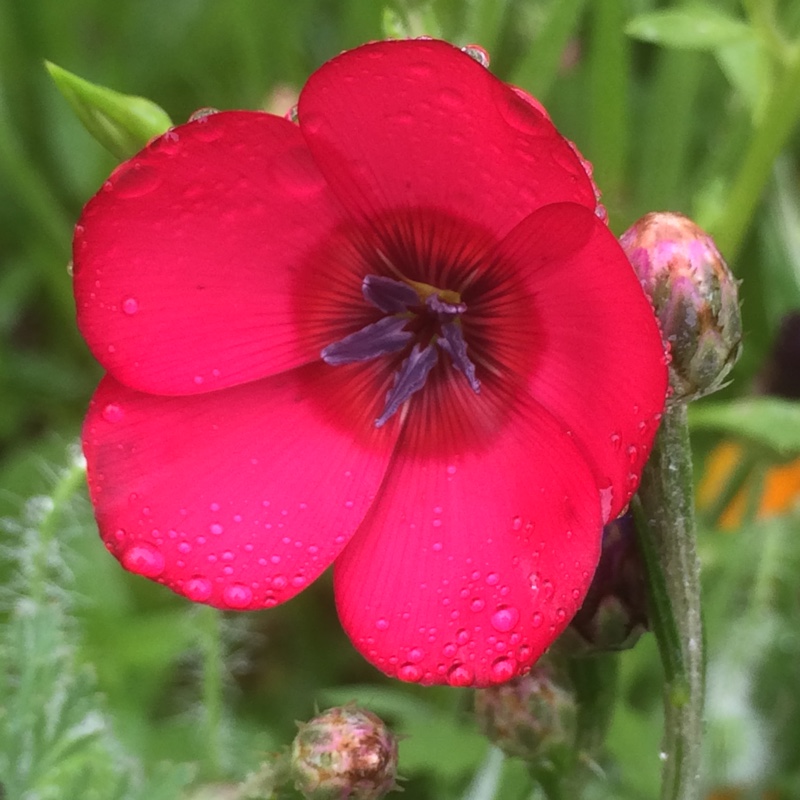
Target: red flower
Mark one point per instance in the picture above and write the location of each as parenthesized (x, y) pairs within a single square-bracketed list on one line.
[(395, 336)]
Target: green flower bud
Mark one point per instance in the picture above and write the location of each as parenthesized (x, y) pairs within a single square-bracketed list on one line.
[(695, 298), (344, 753), (614, 614), (122, 123), (533, 717)]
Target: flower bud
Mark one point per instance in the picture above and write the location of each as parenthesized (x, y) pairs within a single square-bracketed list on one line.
[(344, 753), (614, 614), (533, 717), (695, 298)]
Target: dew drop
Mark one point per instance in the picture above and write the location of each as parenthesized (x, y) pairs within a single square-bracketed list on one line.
[(415, 655), (616, 441), (452, 469), (606, 502), (130, 305), (477, 604), (198, 589), (535, 582), (216, 528), (548, 589), (503, 669), (516, 523), (237, 595), (492, 579), (633, 454), (381, 624), (449, 650), (462, 636), (409, 672), (537, 620), (113, 413), (144, 559), (561, 614), (460, 675), (184, 547), (134, 180), (279, 582), (505, 618)]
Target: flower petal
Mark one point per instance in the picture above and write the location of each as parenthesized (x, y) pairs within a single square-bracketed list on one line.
[(473, 558), (237, 498), (194, 260), (598, 361), (409, 124)]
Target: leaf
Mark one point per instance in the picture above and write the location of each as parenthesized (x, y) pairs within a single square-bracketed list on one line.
[(770, 422), (122, 123), (748, 68), (695, 28)]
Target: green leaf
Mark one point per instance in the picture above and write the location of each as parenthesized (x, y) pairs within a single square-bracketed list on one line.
[(122, 123), (694, 28), (748, 68), (770, 422)]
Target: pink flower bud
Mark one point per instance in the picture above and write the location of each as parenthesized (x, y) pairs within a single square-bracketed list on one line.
[(695, 298), (344, 753), (533, 717)]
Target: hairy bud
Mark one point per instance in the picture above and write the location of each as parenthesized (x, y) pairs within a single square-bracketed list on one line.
[(344, 753), (695, 298), (533, 717)]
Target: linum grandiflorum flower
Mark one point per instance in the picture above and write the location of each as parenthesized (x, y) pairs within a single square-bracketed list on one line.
[(395, 336)]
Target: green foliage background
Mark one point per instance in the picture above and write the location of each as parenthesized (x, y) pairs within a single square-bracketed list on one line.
[(111, 687)]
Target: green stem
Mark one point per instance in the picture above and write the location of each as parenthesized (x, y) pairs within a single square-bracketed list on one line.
[(769, 138), (213, 686), (665, 522)]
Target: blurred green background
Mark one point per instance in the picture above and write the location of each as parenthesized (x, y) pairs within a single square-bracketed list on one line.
[(693, 113)]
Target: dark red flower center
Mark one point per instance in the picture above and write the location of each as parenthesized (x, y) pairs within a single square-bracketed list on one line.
[(421, 320)]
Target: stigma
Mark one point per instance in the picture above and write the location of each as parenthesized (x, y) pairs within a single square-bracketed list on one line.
[(420, 319)]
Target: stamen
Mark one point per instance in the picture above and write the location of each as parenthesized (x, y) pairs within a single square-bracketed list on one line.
[(410, 378), (443, 309), (378, 339), (452, 342), (388, 295)]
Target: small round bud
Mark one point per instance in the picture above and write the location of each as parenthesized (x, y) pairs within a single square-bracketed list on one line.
[(614, 614), (344, 753), (695, 298), (533, 717)]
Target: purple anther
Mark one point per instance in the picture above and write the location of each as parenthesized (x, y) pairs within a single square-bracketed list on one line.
[(378, 339), (410, 378), (390, 296), (444, 310), (452, 342)]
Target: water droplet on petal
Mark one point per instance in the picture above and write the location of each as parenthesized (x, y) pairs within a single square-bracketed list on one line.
[(237, 595), (505, 618), (130, 305), (198, 589), (143, 559), (633, 454), (415, 655), (516, 523), (381, 624), (409, 672), (616, 441), (449, 650), (216, 529), (113, 413), (537, 620), (460, 675), (561, 614), (504, 669), (134, 180), (492, 579), (477, 604), (462, 636)]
